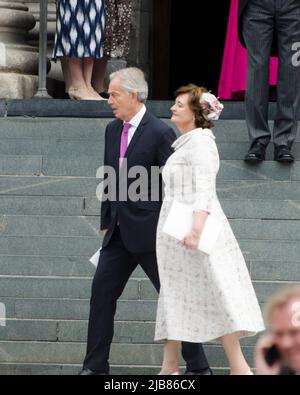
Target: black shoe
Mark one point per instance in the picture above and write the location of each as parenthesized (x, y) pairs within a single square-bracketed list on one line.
[(88, 372), (283, 154), (256, 154), (204, 372)]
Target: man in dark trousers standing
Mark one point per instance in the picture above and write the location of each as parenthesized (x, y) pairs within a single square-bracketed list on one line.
[(135, 138), (271, 27)]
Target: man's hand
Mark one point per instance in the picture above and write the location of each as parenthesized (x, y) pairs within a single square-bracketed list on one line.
[(262, 368), (103, 232)]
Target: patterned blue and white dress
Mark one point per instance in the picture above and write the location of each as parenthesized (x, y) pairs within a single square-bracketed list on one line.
[(80, 29)]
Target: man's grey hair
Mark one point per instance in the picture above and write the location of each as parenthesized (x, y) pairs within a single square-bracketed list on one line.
[(133, 80)]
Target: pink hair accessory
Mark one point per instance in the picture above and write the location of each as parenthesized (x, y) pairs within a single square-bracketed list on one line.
[(212, 107)]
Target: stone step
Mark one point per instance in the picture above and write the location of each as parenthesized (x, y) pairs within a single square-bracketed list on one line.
[(86, 187), (86, 167), (28, 369), (35, 266), (229, 130), (269, 190), (121, 354), (16, 225), (93, 109), (51, 246), (56, 287), (37, 304), (48, 186), (80, 206), (74, 309), (76, 331), (94, 148), (47, 205)]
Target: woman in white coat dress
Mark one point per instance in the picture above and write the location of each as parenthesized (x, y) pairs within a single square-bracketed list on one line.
[(202, 297)]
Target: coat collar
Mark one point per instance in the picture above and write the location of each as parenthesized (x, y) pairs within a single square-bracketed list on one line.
[(188, 136)]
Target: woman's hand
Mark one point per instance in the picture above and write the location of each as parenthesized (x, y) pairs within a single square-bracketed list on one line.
[(191, 241)]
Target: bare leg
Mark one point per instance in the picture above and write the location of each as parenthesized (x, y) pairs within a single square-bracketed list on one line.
[(78, 89), (88, 66), (171, 357), (66, 73), (99, 74), (237, 362)]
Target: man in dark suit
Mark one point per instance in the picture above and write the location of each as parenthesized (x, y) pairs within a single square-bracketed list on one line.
[(271, 27), (135, 138)]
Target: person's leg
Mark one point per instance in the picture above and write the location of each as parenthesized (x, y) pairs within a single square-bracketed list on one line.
[(192, 353), (88, 66), (237, 362), (66, 73), (78, 89), (258, 27), (171, 358), (113, 271), (288, 89), (99, 70)]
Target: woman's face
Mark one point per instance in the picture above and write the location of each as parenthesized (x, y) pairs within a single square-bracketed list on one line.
[(182, 115)]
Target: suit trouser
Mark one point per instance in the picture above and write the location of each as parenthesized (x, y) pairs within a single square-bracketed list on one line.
[(115, 267), (261, 20)]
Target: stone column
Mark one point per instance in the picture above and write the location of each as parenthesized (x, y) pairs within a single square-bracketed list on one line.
[(18, 60)]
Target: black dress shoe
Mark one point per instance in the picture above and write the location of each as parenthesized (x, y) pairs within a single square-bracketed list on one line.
[(88, 372), (283, 154), (256, 154), (204, 372)]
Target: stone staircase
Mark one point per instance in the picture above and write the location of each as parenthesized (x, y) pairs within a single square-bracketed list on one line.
[(49, 222)]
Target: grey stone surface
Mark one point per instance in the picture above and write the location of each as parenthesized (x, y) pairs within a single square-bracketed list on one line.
[(58, 108), (269, 190), (46, 266), (121, 354), (54, 147), (52, 128), (266, 230), (276, 270), (261, 209), (42, 205), (271, 250), (49, 225), (48, 186), (239, 170), (35, 287), (18, 330), (75, 309), (71, 109), (49, 246), (83, 166), (2, 108), (22, 165)]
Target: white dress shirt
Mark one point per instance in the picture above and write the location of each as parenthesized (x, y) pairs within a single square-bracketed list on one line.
[(135, 122)]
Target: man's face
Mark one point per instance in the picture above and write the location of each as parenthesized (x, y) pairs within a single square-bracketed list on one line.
[(285, 323), (123, 104)]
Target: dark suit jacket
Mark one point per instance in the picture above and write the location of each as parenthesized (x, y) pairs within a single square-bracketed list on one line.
[(150, 146), (242, 7)]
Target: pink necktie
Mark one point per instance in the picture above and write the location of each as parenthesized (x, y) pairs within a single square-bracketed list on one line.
[(124, 141)]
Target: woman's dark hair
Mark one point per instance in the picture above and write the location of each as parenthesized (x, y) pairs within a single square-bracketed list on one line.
[(195, 92)]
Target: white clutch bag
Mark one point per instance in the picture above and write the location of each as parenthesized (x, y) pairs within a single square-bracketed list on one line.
[(180, 221)]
